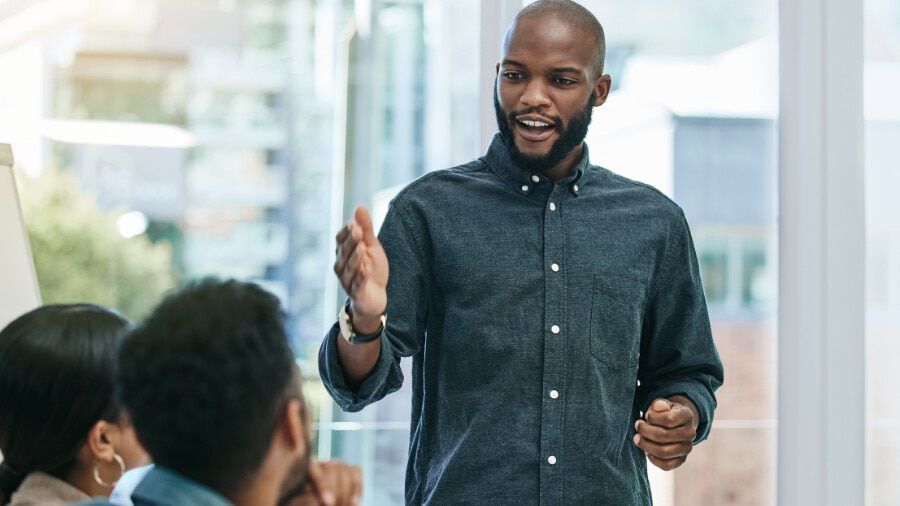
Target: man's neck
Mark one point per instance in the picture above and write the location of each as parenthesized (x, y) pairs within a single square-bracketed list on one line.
[(566, 166), (257, 493)]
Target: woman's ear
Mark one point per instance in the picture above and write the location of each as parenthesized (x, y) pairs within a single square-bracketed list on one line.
[(100, 440)]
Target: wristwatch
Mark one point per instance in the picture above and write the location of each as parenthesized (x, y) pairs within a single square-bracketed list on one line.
[(347, 327)]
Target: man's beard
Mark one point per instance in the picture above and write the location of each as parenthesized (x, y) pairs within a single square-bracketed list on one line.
[(570, 136), (296, 480)]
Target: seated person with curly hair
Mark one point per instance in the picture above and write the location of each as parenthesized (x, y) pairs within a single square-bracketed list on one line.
[(211, 384)]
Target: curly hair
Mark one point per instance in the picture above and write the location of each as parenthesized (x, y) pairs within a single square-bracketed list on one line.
[(206, 377), (56, 382)]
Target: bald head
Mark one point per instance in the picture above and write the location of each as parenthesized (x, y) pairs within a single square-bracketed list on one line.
[(572, 14)]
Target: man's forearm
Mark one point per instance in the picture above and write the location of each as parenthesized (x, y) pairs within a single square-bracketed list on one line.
[(357, 359)]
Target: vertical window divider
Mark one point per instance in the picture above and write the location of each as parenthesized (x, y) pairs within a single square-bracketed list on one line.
[(821, 320)]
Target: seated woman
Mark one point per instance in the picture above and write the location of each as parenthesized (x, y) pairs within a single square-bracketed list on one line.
[(62, 436)]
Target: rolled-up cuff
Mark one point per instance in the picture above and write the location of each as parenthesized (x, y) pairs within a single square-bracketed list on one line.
[(373, 388)]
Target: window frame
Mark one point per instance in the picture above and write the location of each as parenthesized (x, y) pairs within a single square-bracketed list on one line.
[(821, 256)]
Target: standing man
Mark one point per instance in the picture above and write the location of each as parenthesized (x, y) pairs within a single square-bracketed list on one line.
[(553, 310)]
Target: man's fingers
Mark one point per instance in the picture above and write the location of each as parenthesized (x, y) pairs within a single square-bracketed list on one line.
[(339, 484), (666, 464), (362, 217), (660, 406), (352, 483), (663, 451), (314, 472), (660, 434), (667, 448), (350, 267), (671, 416), (319, 480)]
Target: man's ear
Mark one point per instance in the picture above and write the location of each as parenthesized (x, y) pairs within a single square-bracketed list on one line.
[(602, 86), (294, 425), (99, 441)]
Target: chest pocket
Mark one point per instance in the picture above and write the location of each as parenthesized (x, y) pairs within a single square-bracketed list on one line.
[(616, 314)]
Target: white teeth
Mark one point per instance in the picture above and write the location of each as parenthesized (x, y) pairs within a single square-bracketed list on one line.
[(534, 124)]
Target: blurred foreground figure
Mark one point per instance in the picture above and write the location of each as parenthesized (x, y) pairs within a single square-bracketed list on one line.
[(211, 384), (63, 437)]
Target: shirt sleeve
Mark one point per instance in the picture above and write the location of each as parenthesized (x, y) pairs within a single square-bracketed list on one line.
[(406, 312), (678, 355)]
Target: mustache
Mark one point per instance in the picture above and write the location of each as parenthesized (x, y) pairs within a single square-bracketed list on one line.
[(555, 120)]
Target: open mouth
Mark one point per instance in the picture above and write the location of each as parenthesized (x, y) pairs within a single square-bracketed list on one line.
[(533, 129)]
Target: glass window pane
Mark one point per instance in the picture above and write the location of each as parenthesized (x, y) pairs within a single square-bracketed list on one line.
[(881, 79), (713, 257), (756, 279)]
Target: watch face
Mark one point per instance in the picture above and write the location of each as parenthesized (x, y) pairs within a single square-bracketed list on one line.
[(346, 329)]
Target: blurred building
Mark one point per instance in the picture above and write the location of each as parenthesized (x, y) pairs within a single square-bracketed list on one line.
[(184, 111)]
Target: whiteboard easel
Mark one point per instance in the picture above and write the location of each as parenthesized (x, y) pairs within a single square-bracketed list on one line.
[(19, 291)]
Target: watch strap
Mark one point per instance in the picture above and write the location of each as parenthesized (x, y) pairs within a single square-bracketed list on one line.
[(351, 335)]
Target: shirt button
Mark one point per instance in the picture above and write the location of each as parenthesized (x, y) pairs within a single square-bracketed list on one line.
[(575, 187), (524, 187), (551, 459), (535, 178), (555, 267), (639, 383), (554, 394), (555, 329), (552, 206)]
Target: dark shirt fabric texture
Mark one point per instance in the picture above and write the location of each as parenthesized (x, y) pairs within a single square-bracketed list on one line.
[(163, 487), (542, 320)]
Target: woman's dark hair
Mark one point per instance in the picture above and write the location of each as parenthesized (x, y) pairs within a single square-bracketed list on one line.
[(56, 382)]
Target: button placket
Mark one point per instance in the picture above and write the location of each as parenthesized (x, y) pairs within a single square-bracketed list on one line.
[(556, 345)]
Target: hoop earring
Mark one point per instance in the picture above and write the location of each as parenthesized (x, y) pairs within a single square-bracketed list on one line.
[(112, 484)]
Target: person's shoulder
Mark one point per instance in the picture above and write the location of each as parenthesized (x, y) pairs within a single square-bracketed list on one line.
[(121, 493), (443, 179), (97, 501), (468, 169), (636, 192)]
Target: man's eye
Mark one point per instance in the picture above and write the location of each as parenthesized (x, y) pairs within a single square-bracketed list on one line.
[(512, 75), (563, 80)]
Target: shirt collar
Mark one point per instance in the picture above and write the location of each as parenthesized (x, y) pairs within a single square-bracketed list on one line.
[(498, 158), (163, 486)]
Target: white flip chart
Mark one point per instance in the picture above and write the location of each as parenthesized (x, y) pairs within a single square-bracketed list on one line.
[(19, 291)]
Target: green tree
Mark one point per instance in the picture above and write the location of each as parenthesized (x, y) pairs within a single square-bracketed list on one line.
[(80, 256)]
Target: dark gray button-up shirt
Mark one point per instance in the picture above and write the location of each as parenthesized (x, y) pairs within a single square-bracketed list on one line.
[(541, 320)]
